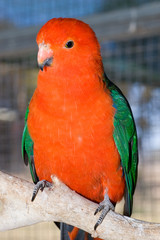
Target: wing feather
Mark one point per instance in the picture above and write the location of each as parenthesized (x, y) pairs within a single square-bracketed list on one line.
[(125, 137), (27, 150)]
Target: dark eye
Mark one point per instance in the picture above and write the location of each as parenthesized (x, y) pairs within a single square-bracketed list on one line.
[(69, 44)]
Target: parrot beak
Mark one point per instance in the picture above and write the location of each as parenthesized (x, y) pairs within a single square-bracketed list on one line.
[(45, 56)]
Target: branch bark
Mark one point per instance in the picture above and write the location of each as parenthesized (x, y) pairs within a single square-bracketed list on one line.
[(59, 203)]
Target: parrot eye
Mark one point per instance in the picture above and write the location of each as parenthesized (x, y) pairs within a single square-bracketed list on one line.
[(69, 44)]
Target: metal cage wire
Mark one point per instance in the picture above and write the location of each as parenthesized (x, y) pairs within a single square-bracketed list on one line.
[(133, 63)]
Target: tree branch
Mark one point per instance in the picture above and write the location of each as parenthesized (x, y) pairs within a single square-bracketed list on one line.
[(59, 203)]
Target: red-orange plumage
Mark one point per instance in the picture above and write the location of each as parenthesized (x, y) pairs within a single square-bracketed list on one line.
[(71, 115)]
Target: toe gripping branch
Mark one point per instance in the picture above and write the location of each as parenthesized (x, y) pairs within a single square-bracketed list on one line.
[(104, 206), (40, 186)]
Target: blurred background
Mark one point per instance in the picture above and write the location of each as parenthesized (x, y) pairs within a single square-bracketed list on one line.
[(129, 34)]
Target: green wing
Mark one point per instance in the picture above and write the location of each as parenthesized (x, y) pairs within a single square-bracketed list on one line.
[(125, 137), (27, 150)]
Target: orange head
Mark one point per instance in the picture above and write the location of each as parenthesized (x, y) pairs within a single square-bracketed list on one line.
[(69, 53)]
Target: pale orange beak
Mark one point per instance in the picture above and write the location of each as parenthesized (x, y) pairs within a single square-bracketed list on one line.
[(45, 56)]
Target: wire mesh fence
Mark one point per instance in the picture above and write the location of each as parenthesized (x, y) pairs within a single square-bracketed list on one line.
[(132, 63), (134, 66)]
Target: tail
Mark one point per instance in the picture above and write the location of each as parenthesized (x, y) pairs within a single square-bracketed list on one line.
[(69, 232), (127, 211)]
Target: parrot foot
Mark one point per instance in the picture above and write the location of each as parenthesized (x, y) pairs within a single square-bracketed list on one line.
[(40, 186), (105, 206)]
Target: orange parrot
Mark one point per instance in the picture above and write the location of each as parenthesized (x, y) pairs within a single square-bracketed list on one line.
[(79, 125)]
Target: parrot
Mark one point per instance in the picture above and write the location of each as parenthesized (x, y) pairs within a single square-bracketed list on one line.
[(78, 124)]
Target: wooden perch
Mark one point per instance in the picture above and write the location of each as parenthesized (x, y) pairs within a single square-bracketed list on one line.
[(59, 203)]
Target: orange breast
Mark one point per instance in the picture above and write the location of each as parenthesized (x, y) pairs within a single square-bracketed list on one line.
[(74, 141)]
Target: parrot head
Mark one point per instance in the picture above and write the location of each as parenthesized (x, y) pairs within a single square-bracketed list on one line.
[(68, 51), (68, 39)]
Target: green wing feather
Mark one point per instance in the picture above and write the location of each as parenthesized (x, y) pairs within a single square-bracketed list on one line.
[(125, 137), (27, 150)]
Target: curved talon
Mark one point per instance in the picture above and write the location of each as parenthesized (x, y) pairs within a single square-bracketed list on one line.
[(40, 186), (105, 206), (100, 207)]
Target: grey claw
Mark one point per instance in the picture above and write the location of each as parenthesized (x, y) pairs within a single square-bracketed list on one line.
[(40, 186), (100, 207), (104, 206)]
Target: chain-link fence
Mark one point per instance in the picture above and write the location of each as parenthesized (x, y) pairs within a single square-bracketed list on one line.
[(131, 61)]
